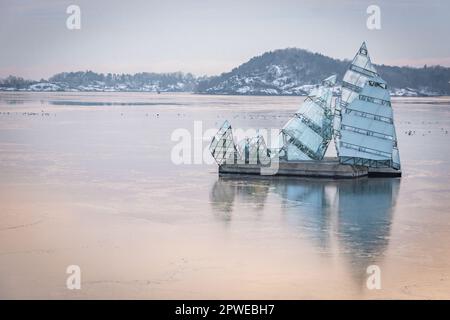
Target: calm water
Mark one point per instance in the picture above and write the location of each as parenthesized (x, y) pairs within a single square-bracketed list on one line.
[(87, 179)]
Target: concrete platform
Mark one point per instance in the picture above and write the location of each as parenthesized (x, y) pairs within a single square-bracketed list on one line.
[(317, 169), (327, 168)]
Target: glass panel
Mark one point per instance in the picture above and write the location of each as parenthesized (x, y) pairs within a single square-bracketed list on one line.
[(310, 129)]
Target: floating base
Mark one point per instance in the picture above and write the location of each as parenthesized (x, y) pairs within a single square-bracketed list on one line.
[(327, 168)]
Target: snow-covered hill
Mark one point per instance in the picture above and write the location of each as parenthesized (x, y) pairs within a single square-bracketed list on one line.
[(289, 71), (295, 71), (91, 81)]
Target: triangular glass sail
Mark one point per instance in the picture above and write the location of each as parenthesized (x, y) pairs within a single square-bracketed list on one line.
[(356, 76), (306, 136), (249, 150), (367, 132), (222, 146), (359, 71)]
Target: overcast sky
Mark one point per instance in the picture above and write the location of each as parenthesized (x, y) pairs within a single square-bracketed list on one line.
[(209, 36)]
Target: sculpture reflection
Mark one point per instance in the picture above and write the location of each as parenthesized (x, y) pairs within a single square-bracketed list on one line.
[(353, 215), (225, 190)]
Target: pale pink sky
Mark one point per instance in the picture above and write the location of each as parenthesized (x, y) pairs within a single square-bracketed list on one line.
[(210, 37)]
